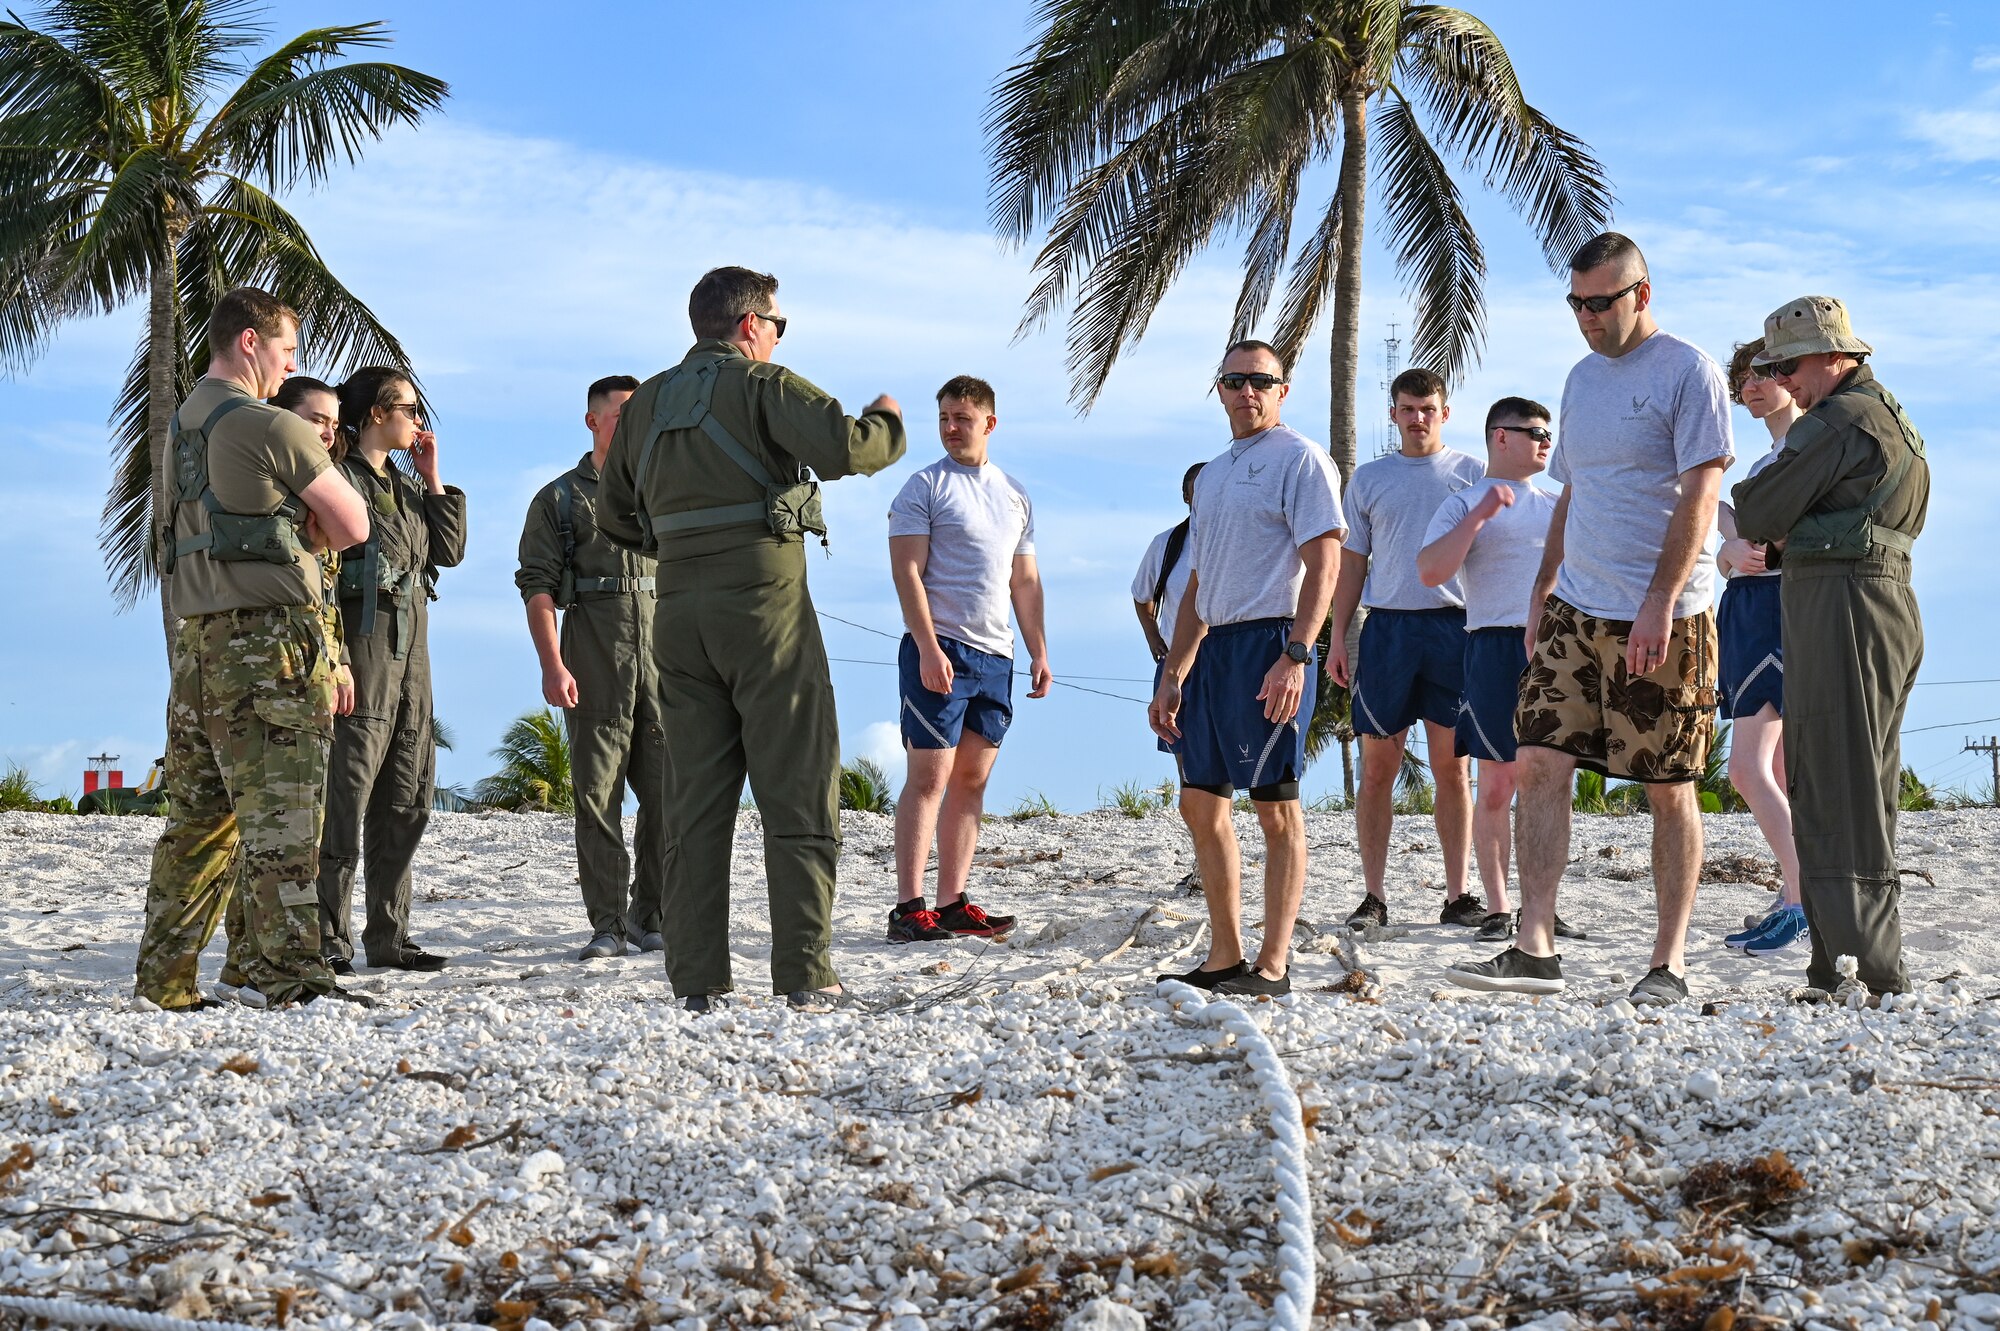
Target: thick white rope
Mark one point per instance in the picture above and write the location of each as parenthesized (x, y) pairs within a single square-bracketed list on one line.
[(70, 1312), (1298, 1256)]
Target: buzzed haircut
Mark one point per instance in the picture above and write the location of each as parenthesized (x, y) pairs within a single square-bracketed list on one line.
[(725, 295), (967, 388), (1256, 344), (1607, 248), (1510, 409), (609, 384), (247, 307), (295, 390), (1739, 366), (1187, 481), (1419, 383)]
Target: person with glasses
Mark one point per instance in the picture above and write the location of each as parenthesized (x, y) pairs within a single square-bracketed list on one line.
[(1620, 635), (1847, 495), (1750, 624), (383, 773), (711, 472), (1412, 646), (1236, 690), (1490, 536)]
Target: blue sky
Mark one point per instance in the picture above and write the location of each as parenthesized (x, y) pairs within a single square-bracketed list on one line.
[(545, 231)]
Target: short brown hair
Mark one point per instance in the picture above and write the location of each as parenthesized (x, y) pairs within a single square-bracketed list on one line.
[(1739, 366), (1419, 383), (247, 307), (966, 388), (725, 295), (609, 384), (1609, 247), (1255, 344), (1514, 408)]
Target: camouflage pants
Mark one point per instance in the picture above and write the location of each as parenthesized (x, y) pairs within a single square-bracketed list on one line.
[(249, 720)]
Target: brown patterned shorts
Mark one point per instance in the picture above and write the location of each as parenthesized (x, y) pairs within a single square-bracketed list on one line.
[(1577, 697)]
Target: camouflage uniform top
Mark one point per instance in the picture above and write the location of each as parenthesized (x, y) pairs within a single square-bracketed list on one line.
[(782, 419), (415, 532), (329, 608)]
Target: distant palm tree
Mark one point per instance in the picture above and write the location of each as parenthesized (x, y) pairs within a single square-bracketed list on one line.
[(534, 775), (128, 167), (1139, 132), (865, 786)]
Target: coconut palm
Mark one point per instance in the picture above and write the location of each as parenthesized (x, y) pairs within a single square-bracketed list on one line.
[(1138, 132), (130, 166), (534, 775), (865, 786)]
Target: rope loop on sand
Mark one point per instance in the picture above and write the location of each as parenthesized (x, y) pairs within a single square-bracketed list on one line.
[(1298, 1256), (71, 1312)]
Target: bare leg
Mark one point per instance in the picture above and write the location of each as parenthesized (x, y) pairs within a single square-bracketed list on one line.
[(1375, 805), (958, 821), (1676, 866), (1284, 882), (1215, 852), (917, 817), (1541, 842), (1451, 775), (1757, 770), (1492, 831)]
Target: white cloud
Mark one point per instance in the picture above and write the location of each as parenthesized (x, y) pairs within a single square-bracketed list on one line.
[(1986, 62), (1965, 134), (882, 741)]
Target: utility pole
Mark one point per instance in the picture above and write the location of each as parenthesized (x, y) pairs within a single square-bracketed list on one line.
[(1989, 746)]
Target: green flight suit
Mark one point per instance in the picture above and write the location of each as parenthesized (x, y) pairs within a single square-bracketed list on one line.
[(1853, 641), (615, 737), (383, 770), (743, 671)]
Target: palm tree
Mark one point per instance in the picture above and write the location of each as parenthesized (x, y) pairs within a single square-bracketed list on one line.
[(534, 775), (129, 167), (865, 786), (1139, 132)]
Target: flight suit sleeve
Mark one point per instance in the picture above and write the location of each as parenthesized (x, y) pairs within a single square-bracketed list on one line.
[(444, 519), (803, 420), (617, 482), (1816, 457), (540, 572)]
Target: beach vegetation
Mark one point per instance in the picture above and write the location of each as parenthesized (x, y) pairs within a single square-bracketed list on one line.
[(1134, 799), (1034, 804), (534, 775), (865, 787)]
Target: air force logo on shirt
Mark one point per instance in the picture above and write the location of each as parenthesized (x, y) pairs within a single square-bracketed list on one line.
[(1252, 472)]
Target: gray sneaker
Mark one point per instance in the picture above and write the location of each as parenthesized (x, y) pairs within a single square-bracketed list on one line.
[(1660, 988), (603, 945), (1512, 972), (1497, 927), (652, 942)]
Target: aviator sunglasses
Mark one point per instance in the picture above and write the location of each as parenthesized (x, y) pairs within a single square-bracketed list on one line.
[(777, 321), (1263, 383), (1599, 304), (1534, 432), (1777, 369)]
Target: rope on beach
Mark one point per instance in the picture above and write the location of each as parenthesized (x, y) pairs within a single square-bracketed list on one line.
[(1297, 1255), (72, 1312)]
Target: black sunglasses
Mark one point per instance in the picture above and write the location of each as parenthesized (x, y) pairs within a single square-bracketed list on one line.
[(1599, 304), (776, 321), (1534, 432), (1777, 369), (1263, 383)]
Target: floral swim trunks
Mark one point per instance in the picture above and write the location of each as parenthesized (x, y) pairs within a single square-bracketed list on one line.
[(1578, 698)]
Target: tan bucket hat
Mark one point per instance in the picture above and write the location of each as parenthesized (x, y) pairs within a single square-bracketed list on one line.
[(1806, 326)]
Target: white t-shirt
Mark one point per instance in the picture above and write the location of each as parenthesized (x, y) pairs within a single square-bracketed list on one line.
[(978, 519), (1630, 426), (1777, 447), (1390, 502), (1148, 577), (1500, 567), (1254, 506)]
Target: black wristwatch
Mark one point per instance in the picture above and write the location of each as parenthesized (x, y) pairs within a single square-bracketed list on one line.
[(1298, 652)]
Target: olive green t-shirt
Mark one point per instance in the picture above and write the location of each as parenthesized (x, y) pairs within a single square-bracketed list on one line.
[(258, 458)]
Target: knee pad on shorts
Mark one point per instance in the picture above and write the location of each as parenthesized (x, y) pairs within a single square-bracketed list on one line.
[(1278, 792)]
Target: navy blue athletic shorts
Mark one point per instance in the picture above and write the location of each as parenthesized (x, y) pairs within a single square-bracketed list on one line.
[(1495, 660), (1412, 669), (1751, 641), (1225, 740), (982, 696)]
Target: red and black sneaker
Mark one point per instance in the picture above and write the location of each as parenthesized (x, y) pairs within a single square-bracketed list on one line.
[(967, 920), (910, 922)]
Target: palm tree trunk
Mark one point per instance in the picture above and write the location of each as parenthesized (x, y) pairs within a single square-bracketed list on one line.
[(162, 356), (1346, 348)]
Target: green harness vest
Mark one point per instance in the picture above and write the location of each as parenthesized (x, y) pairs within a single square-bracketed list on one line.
[(271, 538), (568, 585), (788, 509), (374, 578), (1851, 533)]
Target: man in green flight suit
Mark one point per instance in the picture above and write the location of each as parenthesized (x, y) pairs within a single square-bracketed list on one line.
[(1846, 498), (600, 671), (250, 712), (707, 472)]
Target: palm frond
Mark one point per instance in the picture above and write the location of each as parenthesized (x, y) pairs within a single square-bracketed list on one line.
[(534, 767), (126, 234), (1310, 287), (52, 94), (1436, 249), (166, 53)]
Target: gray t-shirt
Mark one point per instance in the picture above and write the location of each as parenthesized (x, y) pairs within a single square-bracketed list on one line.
[(1148, 577), (1499, 570), (978, 519), (1390, 501), (1630, 426), (1254, 506)]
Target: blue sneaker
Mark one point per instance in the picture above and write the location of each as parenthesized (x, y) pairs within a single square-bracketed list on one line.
[(1754, 928), (1786, 929)]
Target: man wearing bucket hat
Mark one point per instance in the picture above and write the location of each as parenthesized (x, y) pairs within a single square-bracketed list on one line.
[(1847, 496)]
